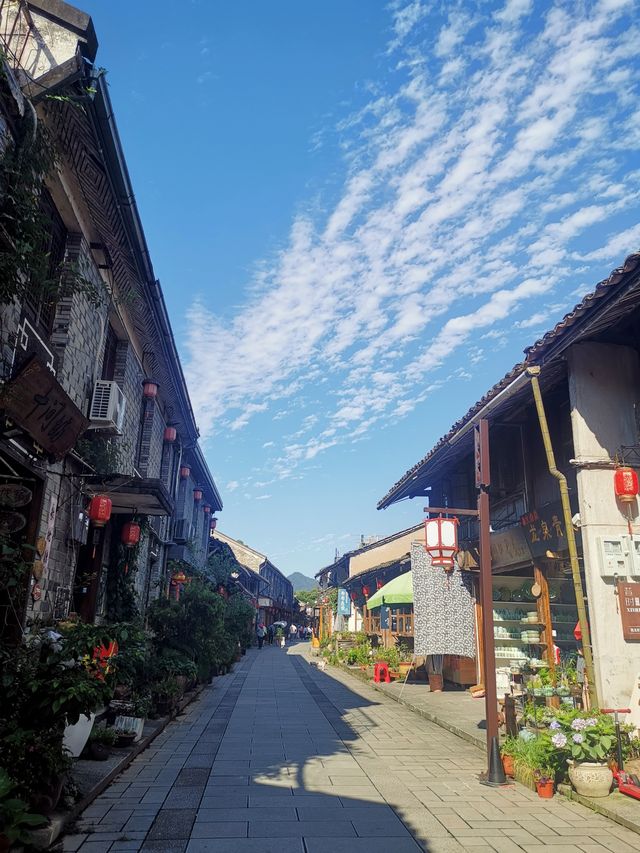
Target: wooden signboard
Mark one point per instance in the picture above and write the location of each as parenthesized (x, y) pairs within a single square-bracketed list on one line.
[(36, 402), (629, 598)]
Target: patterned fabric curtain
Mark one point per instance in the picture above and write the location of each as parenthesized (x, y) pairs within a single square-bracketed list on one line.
[(443, 607)]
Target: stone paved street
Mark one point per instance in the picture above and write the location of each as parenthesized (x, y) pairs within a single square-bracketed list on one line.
[(281, 758)]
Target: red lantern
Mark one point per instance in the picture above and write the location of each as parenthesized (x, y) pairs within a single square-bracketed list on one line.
[(365, 591), (197, 495), (379, 583), (206, 509), (353, 596), (150, 389), (170, 434), (625, 483), (441, 540), (179, 577), (130, 535), (100, 510), (577, 632), (214, 522), (185, 470)]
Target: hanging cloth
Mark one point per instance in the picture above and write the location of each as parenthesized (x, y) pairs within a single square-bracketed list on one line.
[(443, 608)]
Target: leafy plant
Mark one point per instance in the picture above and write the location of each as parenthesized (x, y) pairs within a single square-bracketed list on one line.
[(584, 736), (15, 817), (103, 735)]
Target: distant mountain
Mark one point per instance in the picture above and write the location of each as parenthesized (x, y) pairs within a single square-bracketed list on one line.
[(301, 581)]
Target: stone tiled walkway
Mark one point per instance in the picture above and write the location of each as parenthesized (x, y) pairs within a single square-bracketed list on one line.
[(281, 758)]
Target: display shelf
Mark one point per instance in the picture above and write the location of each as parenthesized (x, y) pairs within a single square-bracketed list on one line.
[(514, 642), (514, 622), (519, 603)]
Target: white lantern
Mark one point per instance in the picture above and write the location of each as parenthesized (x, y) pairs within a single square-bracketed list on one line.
[(441, 540)]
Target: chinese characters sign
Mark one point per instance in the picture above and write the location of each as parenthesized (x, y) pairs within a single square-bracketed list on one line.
[(544, 530), (629, 598), (36, 401), (344, 603)]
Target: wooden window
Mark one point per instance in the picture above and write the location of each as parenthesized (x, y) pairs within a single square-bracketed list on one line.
[(40, 308)]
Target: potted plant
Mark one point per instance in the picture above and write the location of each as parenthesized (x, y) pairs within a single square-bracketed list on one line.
[(166, 694), (100, 742), (587, 741), (15, 818), (125, 736), (544, 778), (509, 750), (535, 685), (280, 636)]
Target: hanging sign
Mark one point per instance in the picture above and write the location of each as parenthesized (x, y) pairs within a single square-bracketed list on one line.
[(544, 530), (36, 402), (344, 603), (629, 598)]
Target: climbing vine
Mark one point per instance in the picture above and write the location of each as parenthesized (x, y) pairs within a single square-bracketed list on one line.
[(121, 594)]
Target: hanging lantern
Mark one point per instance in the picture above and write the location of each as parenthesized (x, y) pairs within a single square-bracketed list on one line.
[(149, 389), (577, 631), (625, 483), (170, 434), (100, 510), (353, 596), (185, 470), (379, 583), (441, 540), (365, 591), (130, 535), (214, 522), (178, 577), (197, 495), (206, 509)]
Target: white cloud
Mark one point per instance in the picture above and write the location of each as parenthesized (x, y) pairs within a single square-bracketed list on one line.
[(232, 485), (468, 202)]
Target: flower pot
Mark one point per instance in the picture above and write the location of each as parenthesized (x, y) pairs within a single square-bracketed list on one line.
[(590, 779), (99, 751), (436, 683), (507, 763), (545, 789), (77, 735), (126, 739), (47, 798)]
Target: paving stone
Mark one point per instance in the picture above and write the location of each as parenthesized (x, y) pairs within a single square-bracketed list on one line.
[(302, 828), (246, 845)]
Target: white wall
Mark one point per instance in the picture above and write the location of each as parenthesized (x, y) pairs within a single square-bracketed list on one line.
[(604, 384)]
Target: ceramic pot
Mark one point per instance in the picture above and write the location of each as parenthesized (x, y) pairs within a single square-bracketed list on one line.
[(590, 779), (77, 735), (545, 789), (99, 751), (507, 763)]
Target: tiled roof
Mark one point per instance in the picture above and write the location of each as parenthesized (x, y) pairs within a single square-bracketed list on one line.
[(604, 305)]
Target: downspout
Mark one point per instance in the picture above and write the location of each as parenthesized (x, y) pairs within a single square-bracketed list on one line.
[(533, 373)]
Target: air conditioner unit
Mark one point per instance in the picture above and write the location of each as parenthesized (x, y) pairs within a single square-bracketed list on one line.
[(182, 530), (107, 406)]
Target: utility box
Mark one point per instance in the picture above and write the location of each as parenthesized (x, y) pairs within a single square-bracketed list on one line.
[(633, 544), (614, 557)]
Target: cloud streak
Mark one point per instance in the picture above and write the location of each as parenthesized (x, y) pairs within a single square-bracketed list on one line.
[(466, 208)]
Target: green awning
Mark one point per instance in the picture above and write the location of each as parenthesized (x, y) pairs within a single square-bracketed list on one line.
[(397, 591)]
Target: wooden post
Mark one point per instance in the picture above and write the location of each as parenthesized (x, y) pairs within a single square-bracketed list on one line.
[(483, 481)]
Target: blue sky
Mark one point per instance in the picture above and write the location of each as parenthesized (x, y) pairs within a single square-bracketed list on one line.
[(360, 214)]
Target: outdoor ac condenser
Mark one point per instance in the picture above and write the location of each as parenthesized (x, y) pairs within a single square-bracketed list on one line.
[(107, 407)]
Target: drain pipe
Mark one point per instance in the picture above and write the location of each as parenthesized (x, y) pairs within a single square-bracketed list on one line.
[(533, 373)]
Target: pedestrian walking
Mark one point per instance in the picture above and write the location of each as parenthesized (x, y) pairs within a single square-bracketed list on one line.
[(260, 633), (293, 632), (270, 633)]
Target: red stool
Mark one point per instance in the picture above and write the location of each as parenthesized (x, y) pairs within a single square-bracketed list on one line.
[(381, 672)]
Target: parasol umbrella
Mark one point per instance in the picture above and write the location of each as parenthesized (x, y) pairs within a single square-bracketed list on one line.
[(397, 591)]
